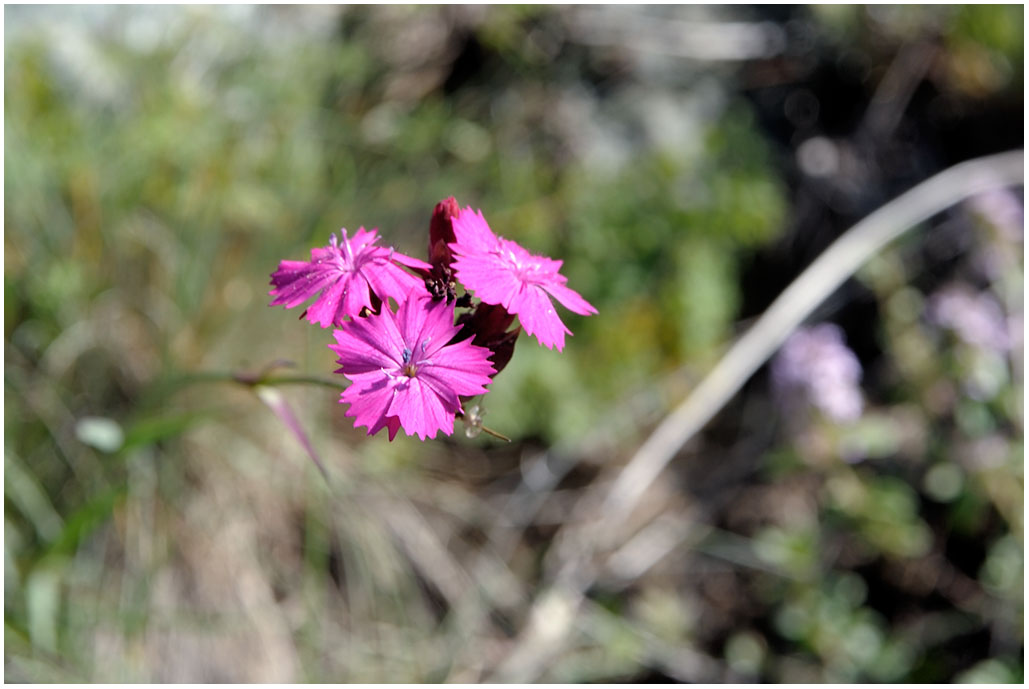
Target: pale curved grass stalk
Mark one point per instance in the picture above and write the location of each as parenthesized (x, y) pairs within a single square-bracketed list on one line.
[(797, 302), (554, 610)]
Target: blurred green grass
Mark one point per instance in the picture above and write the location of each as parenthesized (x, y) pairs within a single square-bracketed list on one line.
[(159, 165)]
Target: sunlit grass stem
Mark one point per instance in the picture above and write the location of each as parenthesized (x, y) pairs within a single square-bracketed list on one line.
[(554, 610)]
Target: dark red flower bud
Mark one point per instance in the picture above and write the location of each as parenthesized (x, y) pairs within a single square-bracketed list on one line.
[(439, 281), (441, 231), (487, 326)]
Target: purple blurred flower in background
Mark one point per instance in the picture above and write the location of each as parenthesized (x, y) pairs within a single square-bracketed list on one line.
[(1002, 217), (978, 319), (814, 365), (1002, 209)]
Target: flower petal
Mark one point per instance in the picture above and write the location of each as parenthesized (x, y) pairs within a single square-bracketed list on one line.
[(462, 367), (538, 317), (297, 281), (489, 278), (369, 344), (500, 272), (369, 404), (426, 324), (405, 260), (420, 410), (346, 273), (472, 232), (346, 296), (387, 279), (570, 299)]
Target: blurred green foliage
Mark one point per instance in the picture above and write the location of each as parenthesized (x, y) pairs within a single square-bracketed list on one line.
[(160, 162)]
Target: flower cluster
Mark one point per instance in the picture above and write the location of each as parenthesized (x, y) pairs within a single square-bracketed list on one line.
[(410, 364), (814, 365), (976, 318), (987, 333)]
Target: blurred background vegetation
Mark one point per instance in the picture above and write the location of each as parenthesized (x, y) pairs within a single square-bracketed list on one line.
[(685, 163)]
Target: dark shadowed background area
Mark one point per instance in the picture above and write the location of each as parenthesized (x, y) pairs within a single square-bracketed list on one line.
[(854, 514)]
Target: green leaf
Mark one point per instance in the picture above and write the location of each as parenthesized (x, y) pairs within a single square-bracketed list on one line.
[(43, 598), (157, 428), (22, 489), (85, 520)]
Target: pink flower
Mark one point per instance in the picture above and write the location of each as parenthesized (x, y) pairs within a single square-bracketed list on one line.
[(500, 272), (349, 276), (404, 373)]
